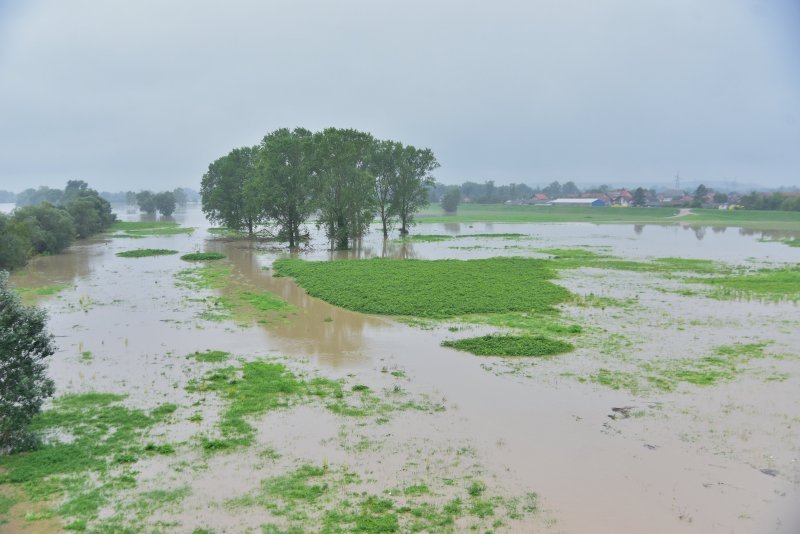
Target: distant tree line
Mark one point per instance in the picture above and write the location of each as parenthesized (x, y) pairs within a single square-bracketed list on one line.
[(490, 193), (775, 201), (50, 220), (7, 196), (182, 196), (342, 176)]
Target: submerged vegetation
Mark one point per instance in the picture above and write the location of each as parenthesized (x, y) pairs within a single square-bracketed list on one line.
[(725, 364), (235, 302), (261, 386), (768, 284), (90, 456), (325, 499), (146, 252), (507, 345), (429, 288)]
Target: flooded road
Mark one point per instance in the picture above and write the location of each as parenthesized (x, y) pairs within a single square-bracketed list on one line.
[(699, 459)]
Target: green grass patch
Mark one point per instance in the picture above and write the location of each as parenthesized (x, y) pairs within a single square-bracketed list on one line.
[(227, 232), (433, 238), (42, 291), (125, 226), (136, 229), (210, 356), (265, 301), (429, 288), (203, 256), (146, 252), (127, 236), (507, 345)]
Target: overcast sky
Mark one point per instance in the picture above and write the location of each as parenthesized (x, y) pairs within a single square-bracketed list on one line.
[(145, 94)]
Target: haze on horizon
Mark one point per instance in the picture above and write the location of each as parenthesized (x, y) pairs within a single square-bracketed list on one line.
[(144, 95)]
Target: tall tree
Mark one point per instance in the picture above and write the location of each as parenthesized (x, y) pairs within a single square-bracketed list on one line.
[(410, 190), (24, 385), (228, 188), (285, 182), (639, 197), (384, 165), (345, 190), (451, 199)]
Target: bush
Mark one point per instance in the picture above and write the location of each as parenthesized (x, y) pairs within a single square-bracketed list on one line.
[(14, 248), (24, 345)]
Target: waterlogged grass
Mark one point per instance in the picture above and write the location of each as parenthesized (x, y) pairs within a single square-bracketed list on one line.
[(727, 363), (203, 256), (234, 302), (324, 499), (507, 345), (429, 288), (530, 323), (255, 389), (91, 445), (767, 284), (581, 258), (209, 277), (432, 238), (262, 386), (146, 252), (210, 356)]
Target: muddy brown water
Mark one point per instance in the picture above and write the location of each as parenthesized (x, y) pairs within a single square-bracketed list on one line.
[(691, 463)]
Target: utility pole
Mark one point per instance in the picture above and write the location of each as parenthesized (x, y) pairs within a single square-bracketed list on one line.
[(678, 181)]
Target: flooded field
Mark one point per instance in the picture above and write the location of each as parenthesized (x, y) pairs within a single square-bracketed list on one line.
[(379, 428)]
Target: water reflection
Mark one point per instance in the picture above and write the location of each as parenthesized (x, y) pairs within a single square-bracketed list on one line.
[(638, 228), (317, 329)]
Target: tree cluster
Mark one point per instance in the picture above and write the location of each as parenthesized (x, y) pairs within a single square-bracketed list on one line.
[(53, 223), (163, 202), (344, 176)]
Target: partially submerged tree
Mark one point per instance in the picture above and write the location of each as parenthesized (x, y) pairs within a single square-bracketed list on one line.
[(227, 194), (285, 182), (146, 201), (345, 189), (165, 202), (24, 385), (410, 191), (384, 165)]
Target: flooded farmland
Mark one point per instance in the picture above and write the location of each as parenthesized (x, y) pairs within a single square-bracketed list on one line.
[(391, 430)]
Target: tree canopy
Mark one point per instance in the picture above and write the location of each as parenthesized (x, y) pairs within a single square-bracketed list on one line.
[(24, 385)]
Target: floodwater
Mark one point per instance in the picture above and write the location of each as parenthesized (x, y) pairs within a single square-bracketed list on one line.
[(714, 459)]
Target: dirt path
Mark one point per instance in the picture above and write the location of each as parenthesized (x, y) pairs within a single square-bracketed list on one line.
[(682, 213)]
